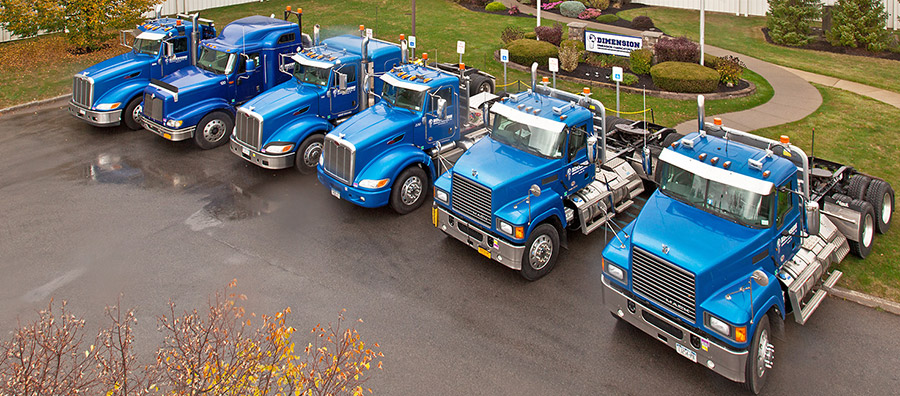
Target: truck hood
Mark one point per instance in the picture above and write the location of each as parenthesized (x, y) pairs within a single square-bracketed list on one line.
[(118, 70), (194, 85), (378, 123), (278, 105), (192, 78), (717, 250)]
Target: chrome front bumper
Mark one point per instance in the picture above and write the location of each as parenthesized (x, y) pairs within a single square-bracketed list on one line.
[(726, 362), (264, 160), (96, 118), (488, 245), (174, 135)]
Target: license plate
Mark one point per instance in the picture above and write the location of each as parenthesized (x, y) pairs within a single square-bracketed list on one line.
[(484, 252), (684, 351), (336, 193), (245, 151)]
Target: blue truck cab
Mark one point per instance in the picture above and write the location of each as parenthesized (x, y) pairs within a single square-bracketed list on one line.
[(286, 125), (732, 240), (389, 153), (199, 102), (109, 93)]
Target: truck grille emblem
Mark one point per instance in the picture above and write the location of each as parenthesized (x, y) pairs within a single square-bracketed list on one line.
[(665, 248)]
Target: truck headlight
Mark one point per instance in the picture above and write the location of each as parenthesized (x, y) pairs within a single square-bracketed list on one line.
[(511, 230), (615, 271), (278, 147), (373, 184), (108, 106), (173, 123), (322, 159), (441, 195), (738, 334)]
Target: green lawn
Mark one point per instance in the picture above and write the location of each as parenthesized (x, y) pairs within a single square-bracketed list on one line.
[(744, 35), (870, 144)]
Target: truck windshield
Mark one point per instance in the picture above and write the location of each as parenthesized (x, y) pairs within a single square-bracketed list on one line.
[(311, 74), (216, 61), (402, 97), (736, 204), (541, 142), (146, 46)]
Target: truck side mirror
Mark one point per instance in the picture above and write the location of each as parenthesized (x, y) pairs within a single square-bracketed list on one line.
[(441, 108), (168, 49), (592, 149), (158, 10), (535, 190), (812, 218), (760, 278), (249, 64), (342, 81)]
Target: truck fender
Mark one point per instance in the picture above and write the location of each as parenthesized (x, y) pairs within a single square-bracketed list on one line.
[(124, 93), (194, 113), (547, 208), (392, 162), (303, 128), (772, 305)]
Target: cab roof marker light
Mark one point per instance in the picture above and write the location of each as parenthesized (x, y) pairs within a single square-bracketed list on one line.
[(537, 111)]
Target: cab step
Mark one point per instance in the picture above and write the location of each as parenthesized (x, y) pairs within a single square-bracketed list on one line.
[(803, 315)]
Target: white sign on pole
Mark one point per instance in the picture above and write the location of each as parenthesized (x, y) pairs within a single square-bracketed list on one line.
[(554, 65), (504, 55), (369, 33), (460, 47), (617, 73), (614, 44), (412, 41)]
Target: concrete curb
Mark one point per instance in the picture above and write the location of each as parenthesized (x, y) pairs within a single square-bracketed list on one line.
[(33, 104), (866, 300)]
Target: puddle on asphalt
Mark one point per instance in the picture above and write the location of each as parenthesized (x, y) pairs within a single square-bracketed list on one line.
[(225, 201)]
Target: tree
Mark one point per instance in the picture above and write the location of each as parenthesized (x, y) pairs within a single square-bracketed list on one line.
[(859, 24), (789, 20)]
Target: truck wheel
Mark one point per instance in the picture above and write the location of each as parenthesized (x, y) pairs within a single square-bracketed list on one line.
[(671, 138), (308, 154), (866, 231), (409, 190), (540, 252), (485, 85), (612, 121), (858, 185), (881, 196), (761, 357), (213, 130), (131, 113)]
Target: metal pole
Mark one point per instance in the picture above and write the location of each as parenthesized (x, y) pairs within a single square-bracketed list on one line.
[(504, 77), (554, 80), (702, 28), (539, 13), (617, 99), (413, 17)]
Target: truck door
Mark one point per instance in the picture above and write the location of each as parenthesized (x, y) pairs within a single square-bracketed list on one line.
[(787, 226), (249, 82), (577, 175), (343, 102), (181, 59), (437, 127)]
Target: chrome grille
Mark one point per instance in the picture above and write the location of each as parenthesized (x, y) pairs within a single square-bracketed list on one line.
[(663, 283), (82, 91), (339, 159), (153, 107), (248, 128), (471, 199)]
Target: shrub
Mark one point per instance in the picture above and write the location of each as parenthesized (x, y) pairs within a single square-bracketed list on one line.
[(550, 6), (570, 54), (859, 24), (598, 4), (678, 49), (550, 34), (789, 21), (607, 18), (495, 7), (710, 61), (629, 79), (475, 3), (514, 10), (641, 22), (604, 60), (530, 35), (730, 69), (640, 61), (512, 33), (525, 52), (684, 77), (571, 9), (590, 13)]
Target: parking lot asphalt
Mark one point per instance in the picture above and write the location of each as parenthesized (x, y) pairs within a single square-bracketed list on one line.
[(89, 214)]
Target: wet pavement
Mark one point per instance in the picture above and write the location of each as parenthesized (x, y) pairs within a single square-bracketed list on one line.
[(91, 213)]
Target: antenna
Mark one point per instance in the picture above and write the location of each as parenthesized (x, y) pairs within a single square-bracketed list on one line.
[(812, 150)]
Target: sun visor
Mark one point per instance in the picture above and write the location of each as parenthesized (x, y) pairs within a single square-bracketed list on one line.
[(151, 36), (719, 175), (390, 79), (528, 119), (310, 62)]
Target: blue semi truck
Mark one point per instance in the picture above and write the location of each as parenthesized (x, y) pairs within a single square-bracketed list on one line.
[(740, 232), (286, 125), (199, 102), (110, 92), (389, 154)]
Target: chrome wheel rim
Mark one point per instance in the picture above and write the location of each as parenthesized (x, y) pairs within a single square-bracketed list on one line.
[(214, 130), (484, 88), (761, 353), (540, 252), (136, 113), (411, 190), (868, 231), (311, 155), (886, 208)]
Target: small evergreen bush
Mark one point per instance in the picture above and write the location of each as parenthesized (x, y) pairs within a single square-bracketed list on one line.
[(684, 77), (629, 79), (598, 4), (642, 22), (495, 7), (571, 9), (789, 21), (607, 18), (512, 33), (640, 61), (570, 54), (859, 24), (525, 52)]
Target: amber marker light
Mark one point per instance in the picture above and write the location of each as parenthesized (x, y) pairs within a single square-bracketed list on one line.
[(717, 121), (520, 232), (586, 91), (785, 139), (740, 334)]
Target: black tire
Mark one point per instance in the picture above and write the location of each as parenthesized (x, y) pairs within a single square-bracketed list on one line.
[(213, 130), (131, 112), (409, 190), (536, 260), (612, 121), (866, 232), (858, 186), (671, 138), (842, 198), (757, 372), (881, 196), (308, 153), (480, 84)]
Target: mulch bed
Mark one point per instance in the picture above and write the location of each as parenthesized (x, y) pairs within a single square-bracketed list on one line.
[(819, 43), (601, 74)]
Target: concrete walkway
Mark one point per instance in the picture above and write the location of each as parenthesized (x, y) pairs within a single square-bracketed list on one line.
[(794, 98)]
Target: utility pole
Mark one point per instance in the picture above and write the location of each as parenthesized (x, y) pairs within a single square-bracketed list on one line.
[(702, 28), (413, 17)]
